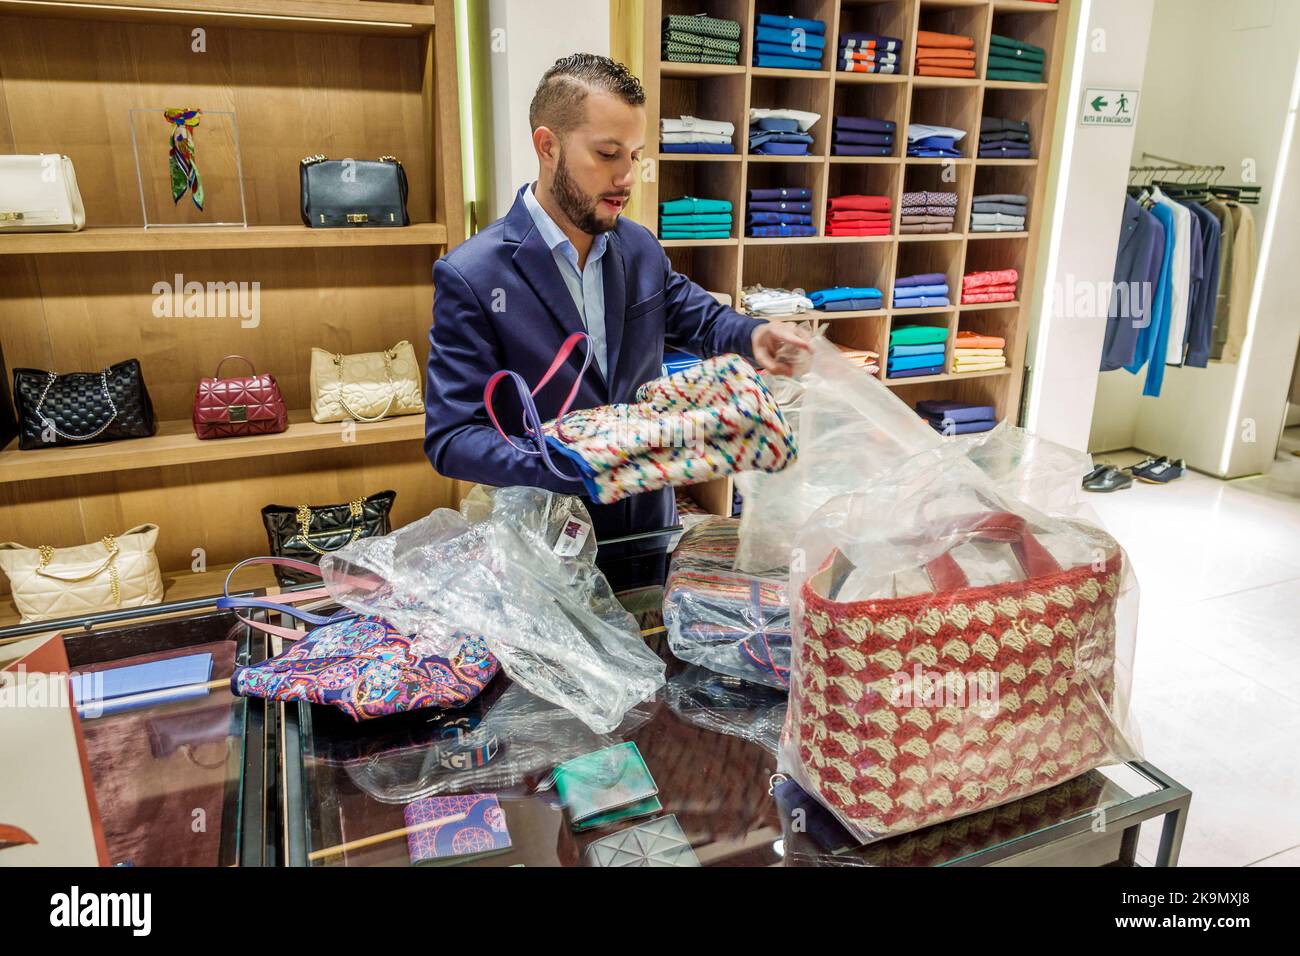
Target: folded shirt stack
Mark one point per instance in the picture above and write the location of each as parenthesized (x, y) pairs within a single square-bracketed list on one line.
[(973, 352), (998, 212), (690, 218), (690, 134), (1015, 60), (701, 39), (950, 417), (781, 132), (778, 211), (925, 139), (925, 211), (863, 359), (862, 136), (994, 286), (773, 303), (791, 43), (916, 350), (858, 216), (869, 53), (944, 54), (844, 298), (1003, 138), (923, 291)]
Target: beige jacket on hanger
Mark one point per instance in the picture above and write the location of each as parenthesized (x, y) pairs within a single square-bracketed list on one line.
[(1242, 283)]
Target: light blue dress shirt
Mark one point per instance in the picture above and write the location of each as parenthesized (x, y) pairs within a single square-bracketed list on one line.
[(586, 285)]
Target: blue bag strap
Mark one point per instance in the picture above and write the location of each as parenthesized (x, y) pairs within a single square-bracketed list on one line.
[(282, 604)]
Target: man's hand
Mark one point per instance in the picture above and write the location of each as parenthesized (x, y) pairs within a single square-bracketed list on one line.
[(780, 347)]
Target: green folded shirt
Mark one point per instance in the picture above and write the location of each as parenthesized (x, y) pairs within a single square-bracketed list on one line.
[(696, 219), (701, 42), (1017, 76), (1028, 48), (675, 53), (675, 234), (688, 205), (702, 26), (918, 335), (1010, 63)]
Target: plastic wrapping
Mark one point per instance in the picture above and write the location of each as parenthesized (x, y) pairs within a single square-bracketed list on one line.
[(727, 705), (850, 429), (1038, 472), (516, 565), (728, 621), (954, 649)]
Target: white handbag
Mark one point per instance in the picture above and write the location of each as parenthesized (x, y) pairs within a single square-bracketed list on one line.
[(118, 571), (365, 387), (39, 194)]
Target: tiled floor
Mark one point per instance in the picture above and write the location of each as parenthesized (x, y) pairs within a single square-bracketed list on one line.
[(1217, 675)]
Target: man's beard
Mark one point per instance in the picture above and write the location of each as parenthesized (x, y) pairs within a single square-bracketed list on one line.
[(577, 205)]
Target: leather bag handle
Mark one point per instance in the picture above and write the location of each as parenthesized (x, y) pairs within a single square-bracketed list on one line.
[(242, 358), (999, 526)]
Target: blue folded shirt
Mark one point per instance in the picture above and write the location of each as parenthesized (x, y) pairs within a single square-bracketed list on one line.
[(834, 294), (852, 305), (929, 349), (918, 291), (791, 23), (788, 49), (786, 62)]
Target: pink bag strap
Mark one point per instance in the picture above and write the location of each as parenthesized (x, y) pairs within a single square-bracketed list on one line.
[(282, 603), (251, 367), (532, 421), (946, 574)]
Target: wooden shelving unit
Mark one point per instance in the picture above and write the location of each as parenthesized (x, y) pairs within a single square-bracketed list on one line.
[(728, 92), (346, 78)]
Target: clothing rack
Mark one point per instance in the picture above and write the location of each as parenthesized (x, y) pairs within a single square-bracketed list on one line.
[(1189, 175)]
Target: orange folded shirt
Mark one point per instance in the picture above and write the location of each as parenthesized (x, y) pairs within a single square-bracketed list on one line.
[(944, 71), (950, 40), (966, 56), (945, 62), (973, 340)]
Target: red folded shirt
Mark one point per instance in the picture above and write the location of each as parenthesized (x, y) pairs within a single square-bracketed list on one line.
[(985, 295), (881, 230), (858, 215), (974, 280), (864, 203)]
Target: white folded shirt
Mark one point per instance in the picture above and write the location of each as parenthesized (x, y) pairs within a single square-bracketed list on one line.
[(760, 301), (917, 131), (693, 124), (694, 138), (804, 118)]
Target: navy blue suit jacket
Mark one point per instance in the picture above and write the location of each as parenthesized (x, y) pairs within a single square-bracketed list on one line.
[(501, 303)]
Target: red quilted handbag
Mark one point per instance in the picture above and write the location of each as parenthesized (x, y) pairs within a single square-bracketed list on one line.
[(233, 407), (887, 762)]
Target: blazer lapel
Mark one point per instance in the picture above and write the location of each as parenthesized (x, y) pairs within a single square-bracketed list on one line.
[(535, 262), (615, 306)]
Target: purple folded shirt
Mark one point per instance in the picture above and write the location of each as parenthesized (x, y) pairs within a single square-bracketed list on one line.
[(845, 149), (909, 372), (927, 278), (863, 139), (781, 192), (779, 206), (864, 124)]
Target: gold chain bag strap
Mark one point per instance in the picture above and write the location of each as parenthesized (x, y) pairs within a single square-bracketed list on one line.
[(305, 532), (365, 387), (118, 571)]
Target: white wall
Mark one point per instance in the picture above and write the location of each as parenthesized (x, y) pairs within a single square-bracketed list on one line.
[(1067, 340), (1216, 91), (536, 34)]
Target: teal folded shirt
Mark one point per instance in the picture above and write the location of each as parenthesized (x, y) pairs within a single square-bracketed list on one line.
[(689, 205), (697, 219), (918, 335)]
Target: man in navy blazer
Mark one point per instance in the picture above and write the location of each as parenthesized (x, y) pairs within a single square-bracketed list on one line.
[(562, 261)]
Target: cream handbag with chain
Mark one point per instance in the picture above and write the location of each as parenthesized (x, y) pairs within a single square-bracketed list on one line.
[(365, 387), (118, 571)]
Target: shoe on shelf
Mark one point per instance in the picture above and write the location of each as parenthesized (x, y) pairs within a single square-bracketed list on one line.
[(1163, 472), (1110, 479)]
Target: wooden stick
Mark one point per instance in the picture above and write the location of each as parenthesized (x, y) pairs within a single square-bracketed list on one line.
[(382, 837)]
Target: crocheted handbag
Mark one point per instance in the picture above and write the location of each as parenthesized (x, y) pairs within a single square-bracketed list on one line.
[(361, 665), (1046, 644), (712, 419)]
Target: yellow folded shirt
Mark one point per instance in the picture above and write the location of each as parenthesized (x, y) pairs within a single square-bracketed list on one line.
[(979, 366), (973, 353)]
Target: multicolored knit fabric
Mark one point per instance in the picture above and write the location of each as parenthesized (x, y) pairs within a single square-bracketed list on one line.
[(716, 418), (725, 620), (890, 761)]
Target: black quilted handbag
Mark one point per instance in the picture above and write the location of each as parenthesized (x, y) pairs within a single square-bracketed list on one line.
[(343, 193), (82, 407), (306, 532)]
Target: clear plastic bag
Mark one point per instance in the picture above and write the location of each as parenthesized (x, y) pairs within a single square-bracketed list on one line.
[(728, 621), (516, 565), (954, 649), (1041, 473), (850, 428), (727, 705)]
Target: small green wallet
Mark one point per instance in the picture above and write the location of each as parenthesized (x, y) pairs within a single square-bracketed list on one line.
[(605, 786)]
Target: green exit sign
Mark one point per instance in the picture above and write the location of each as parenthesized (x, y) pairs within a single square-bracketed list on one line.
[(1106, 107)]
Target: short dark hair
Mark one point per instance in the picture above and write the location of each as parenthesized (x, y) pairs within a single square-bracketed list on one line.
[(557, 104)]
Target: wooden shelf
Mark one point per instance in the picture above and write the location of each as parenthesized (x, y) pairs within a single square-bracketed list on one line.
[(933, 82), (846, 76), (183, 585), (1006, 162), (1023, 6), (176, 444), (807, 158), (672, 68), (324, 16), (861, 160), (699, 157), (685, 243), (1012, 85), (205, 238), (945, 377), (983, 306), (996, 235), (781, 73)]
